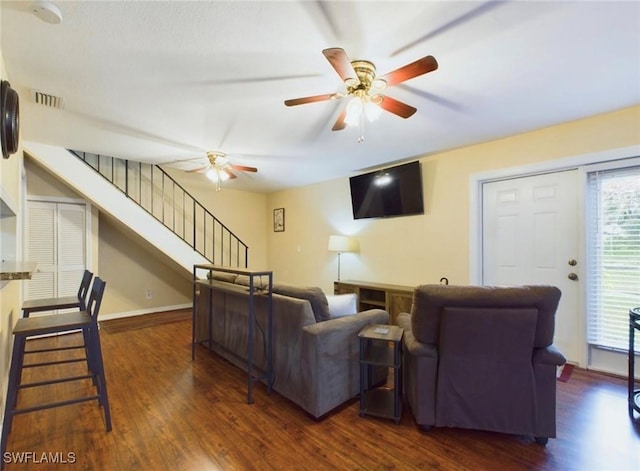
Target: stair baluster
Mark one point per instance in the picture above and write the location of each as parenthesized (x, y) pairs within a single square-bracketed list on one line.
[(144, 183)]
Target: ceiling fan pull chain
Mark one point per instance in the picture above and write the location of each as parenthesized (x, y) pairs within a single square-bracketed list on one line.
[(361, 137)]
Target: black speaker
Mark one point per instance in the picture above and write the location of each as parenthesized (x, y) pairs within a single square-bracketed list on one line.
[(10, 116)]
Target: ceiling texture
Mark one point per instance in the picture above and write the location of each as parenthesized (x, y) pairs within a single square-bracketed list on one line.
[(162, 82)]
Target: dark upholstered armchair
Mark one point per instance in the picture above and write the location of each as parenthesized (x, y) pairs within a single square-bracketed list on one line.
[(482, 358)]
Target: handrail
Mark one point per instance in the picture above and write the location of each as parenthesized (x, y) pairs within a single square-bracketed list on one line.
[(208, 236)]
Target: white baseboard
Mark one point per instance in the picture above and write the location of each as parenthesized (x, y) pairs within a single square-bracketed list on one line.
[(118, 315)]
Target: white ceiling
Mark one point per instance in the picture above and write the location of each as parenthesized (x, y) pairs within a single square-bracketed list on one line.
[(165, 81)]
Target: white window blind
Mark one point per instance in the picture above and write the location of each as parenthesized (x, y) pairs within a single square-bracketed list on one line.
[(613, 225)]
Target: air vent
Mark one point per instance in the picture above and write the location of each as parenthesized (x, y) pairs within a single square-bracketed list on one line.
[(45, 99)]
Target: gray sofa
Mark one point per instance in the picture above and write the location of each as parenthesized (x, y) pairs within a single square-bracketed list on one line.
[(315, 356), (483, 358)]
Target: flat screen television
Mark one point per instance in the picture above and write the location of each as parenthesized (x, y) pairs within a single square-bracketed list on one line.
[(393, 191)]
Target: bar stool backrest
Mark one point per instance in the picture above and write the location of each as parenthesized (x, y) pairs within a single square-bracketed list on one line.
[(83, 290), (95, 298)]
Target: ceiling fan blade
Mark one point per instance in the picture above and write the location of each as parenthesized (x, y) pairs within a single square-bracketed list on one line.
[(409, 71), (340, 124), (198, 169), (311, 99), (243, 168), (340, 61), (229, 172), (397, 107)]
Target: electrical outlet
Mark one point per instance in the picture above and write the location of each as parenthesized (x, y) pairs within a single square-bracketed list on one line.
[(149, 294)]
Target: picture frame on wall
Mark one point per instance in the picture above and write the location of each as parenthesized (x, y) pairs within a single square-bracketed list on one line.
[(278, 220)]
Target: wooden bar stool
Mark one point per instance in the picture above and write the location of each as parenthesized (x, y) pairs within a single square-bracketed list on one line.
[(65, 302), (87, 321)]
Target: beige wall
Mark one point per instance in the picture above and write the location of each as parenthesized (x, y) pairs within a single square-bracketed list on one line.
[(131, 266), (421, 249), (10, 294), (242, 212)]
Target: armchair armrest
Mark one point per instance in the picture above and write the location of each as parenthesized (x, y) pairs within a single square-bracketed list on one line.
[(548, 356), (412, 346)]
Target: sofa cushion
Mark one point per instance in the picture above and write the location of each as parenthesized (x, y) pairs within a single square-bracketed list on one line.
[(221, 276), (258, 281), (341, 305), (314, 295)]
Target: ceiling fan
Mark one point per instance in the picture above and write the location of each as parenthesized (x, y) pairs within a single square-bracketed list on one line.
[(220, 168), (364, 86)]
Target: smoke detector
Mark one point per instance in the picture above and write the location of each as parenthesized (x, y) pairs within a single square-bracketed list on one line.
[(47, 12)]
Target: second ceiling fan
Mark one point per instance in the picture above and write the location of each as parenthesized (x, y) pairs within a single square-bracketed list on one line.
[(359, 76), (220, 168)]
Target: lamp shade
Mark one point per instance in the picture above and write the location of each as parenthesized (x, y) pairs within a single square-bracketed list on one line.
[(340, 243)]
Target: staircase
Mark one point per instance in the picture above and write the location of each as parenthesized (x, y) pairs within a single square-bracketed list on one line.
[(149, 201)]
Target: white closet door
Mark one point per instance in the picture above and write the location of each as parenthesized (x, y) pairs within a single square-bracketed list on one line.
[(71, 242), (41, 248), (56, 240)]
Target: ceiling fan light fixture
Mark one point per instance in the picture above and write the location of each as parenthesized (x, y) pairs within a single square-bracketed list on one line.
[(351, 82), (379, 84), (212, 174), (372, 111), (359, 106), (354, 110), (217, 175)]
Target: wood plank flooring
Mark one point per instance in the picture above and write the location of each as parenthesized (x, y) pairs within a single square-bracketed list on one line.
[(123, 324), (172, 413)]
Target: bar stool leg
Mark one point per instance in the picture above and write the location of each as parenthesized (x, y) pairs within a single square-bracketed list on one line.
[(101, 383)]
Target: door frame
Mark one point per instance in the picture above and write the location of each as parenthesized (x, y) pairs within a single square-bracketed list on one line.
[(576, 162)]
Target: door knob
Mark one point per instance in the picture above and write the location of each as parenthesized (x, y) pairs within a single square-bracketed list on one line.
[(572, 262), (573, 276)]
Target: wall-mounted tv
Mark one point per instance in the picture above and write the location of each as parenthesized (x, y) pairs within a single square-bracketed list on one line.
[(393, 191)]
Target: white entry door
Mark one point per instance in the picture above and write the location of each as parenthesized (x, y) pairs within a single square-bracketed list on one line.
[(530, 236), (56, 241)]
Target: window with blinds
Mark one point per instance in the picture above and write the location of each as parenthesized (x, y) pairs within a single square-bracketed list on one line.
[(613, 244)]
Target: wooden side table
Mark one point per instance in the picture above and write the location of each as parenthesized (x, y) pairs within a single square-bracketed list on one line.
[(381, 345), (634, 394)]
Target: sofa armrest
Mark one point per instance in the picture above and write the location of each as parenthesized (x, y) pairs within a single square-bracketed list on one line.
[(329, 360), (349, 324)]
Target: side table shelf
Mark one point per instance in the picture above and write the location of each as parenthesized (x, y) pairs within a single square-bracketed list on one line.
[(381, 345), (634, 394)]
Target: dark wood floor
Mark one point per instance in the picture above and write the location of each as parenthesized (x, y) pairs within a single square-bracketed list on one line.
[(172, 413)]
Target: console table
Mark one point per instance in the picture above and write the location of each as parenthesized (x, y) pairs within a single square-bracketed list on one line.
[(392, 298), (207, 283)]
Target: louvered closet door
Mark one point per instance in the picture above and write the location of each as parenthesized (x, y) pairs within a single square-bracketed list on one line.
[(71, 248), (56, 240)]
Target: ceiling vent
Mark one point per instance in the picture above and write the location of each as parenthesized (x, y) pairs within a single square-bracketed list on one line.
[(45, 99)]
